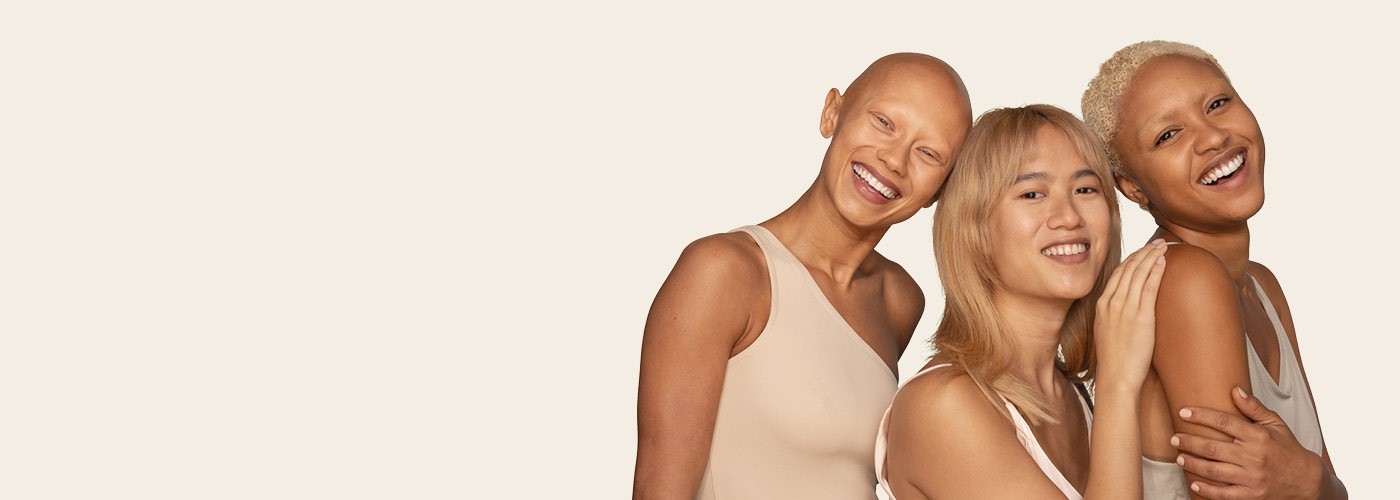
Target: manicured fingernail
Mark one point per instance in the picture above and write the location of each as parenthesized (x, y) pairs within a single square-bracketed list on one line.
[(1181, 460), (1196, 487), (1185, 413), (1159, 242), (1175, 441), (1241, 393)]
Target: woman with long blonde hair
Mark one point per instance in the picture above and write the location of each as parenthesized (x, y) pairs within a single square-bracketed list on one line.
[(1027, 242)]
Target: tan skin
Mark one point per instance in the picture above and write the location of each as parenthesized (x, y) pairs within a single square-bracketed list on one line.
[(905, 119), (1180, 120), (946, 439)]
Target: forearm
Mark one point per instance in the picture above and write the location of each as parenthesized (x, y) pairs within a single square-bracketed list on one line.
[(1115, 452)]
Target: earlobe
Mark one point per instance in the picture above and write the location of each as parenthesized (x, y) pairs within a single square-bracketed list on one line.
[(830, 111)]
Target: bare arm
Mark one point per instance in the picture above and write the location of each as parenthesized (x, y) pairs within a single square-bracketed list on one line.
[(1200, 353), (1124, 331), (1262, 459), (701, 312)]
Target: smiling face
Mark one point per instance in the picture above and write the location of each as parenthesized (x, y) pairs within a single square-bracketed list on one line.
[(1191, 147), (1048, 234), (894, 135)]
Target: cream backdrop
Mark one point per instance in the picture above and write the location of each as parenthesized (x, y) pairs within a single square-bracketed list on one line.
[(405, 249)]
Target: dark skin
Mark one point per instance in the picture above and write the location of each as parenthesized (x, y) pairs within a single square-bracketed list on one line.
[(904, 119), (1194, 156)]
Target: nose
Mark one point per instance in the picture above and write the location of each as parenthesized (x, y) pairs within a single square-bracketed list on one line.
[(1212, 137), (1064, 214), (892, 159)]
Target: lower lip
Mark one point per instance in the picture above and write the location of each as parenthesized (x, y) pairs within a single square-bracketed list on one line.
[(1077, 258), (867, 192)]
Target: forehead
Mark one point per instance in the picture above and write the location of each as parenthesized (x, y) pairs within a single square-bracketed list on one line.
[(1052, 152), (1167, 82), (920, 94)]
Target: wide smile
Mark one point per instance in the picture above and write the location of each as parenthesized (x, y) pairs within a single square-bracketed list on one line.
[(1224, 169), (871, 182), (1068, 252)]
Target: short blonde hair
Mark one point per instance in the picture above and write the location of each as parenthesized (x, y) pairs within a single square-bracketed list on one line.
[(971, 333), (1102, 99)]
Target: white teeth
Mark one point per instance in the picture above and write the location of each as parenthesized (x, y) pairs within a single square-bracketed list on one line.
[(873, 182), (1071, 249), (1228, 168)]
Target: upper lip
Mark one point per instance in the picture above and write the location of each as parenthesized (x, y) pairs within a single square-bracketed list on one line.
[(880, 177), (1219, 160), (1067, 241)]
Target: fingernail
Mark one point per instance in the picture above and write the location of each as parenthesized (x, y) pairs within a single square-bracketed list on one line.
[(1241, 393), (1181, 460), (1162, 259), (1175, 441), (1159, 241), (1196, 487), (1185, 413)]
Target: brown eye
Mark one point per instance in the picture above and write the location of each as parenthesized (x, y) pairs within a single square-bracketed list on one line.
[(1219, 102), (1164, 137)]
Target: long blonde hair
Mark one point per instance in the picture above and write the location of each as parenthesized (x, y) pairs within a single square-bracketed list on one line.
[(971, 333)]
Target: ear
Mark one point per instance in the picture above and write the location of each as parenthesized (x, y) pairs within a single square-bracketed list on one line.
[(1131, 190), (830, 111)]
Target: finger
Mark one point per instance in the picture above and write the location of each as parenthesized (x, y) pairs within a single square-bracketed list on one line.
[(1251, 407), (1235, 426), (1142, 273), (1111, 287), (1205, 447), (1125, 272), (1220, 472), (1154, 280), (1213, 492)]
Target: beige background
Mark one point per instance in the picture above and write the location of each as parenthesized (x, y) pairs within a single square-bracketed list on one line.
[(405, 249)]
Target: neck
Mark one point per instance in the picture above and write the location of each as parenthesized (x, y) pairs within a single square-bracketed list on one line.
[(823, 240), (1231, 246), (1036, 326)]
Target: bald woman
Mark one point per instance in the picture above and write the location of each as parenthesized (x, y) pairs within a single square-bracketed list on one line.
[(770, 352)]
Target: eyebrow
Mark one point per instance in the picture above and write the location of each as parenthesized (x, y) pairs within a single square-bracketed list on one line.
[(1040, 176)]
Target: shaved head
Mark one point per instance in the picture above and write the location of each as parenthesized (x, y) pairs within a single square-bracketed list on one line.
[(908, 68)]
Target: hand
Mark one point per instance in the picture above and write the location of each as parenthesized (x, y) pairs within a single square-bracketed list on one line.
[(1125, 321), (1263, 460)]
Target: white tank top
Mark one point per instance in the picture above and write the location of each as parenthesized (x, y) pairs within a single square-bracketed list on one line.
[(1023, 434)]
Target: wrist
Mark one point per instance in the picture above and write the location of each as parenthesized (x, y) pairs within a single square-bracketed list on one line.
[(1117, 388), (1113, 381)]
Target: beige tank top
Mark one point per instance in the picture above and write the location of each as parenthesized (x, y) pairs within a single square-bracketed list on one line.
[(800, 406), (1289, 398)]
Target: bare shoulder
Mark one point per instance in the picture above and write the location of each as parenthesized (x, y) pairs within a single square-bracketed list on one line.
[(903, 297), (946, 436), (731, 255), (942, 401), (1194, 276), (1266, 279), (713, 289)]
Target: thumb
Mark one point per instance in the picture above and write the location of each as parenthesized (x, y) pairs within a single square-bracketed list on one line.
[(1251, 407)]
